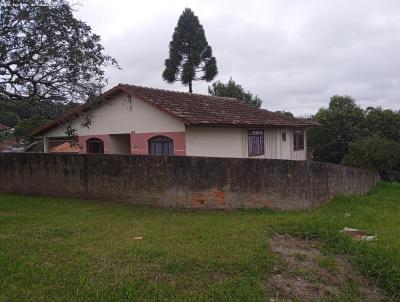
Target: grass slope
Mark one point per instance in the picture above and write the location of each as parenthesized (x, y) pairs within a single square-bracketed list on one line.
[(56, 249)]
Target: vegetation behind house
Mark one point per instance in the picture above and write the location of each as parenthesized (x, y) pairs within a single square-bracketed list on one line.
[(234, 90), (25, 117), (363, 138)]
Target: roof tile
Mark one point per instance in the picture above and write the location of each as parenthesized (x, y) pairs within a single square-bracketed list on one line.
[(196, 109)]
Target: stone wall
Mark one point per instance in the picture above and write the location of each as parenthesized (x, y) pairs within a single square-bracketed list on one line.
[(188, 182)]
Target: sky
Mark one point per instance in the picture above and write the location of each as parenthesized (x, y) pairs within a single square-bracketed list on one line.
[(293, 54)]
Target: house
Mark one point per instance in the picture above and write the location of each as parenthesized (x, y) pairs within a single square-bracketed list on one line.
[(131, 119)]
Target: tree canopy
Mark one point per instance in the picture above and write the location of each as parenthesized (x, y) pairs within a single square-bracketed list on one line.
[(48, 54), (25, 117), (341, 123), (375, 153), (24, 129), (361, 138), (190, 56), (234, 90), (383, 122), (285, 113)]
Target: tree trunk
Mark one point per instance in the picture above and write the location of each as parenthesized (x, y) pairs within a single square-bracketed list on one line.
[(190, 87)]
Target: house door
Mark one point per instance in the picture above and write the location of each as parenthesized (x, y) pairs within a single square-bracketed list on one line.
[(285, 144)]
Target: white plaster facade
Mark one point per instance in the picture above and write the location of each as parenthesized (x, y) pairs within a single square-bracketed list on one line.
[(233, 142), (124, 114)]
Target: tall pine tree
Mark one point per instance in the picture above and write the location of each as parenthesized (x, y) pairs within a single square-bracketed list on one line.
[(190, 56)]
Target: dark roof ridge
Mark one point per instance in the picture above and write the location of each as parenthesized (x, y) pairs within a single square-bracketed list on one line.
[(179, 92), (200, 95)]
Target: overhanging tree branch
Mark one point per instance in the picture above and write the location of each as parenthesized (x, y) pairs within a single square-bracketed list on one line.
[(46, 53)]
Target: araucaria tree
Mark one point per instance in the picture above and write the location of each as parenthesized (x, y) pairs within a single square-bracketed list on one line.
[(48, 54), (190, 56)]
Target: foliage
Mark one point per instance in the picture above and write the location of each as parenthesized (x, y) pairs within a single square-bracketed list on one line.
[(362, 138), (15, 113), (376, 153), (9, 119), (24, 129), (341, 123), (48, 54), (71, 250), (189, 53), (234, 90), (285, 113), (24, 110), (71, 132), (383, 123)]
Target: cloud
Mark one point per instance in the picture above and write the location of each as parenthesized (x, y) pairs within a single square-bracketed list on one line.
[(293, 54)]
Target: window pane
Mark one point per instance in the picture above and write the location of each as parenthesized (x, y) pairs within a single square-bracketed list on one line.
[(255, 142), (94, 146), (161, 145), (298, 138)]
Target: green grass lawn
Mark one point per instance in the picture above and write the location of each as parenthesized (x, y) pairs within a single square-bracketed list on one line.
[(56, 249)]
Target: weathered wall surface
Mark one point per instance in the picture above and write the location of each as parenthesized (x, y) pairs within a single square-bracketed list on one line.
[(122, 114), (190, 182), (215, 141), (233, 142)]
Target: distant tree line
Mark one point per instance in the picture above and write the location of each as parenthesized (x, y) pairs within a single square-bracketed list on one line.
[(353, 136), (25, 117)]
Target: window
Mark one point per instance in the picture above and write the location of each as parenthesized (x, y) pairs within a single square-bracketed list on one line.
[(161, 145), (255, 142), (94, 145), (298, 139), (284, 136)]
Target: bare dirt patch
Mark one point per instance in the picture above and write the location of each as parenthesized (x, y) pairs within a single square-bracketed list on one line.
[(303, 273)]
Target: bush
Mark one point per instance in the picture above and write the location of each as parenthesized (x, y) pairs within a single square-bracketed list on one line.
[(377, 154), (10, 119)]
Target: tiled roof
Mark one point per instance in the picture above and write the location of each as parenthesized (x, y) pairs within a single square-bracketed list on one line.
[(197, 109)]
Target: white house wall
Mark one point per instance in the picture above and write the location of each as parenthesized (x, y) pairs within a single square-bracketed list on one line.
[(273, 146), (276, 148), (119, 115), (232, 142), (214, 141)]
